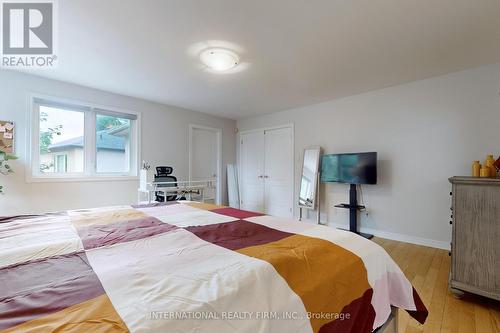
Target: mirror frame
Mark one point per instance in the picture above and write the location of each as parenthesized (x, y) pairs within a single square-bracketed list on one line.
[(317, 150)]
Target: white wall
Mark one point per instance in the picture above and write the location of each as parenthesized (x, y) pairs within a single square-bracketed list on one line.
[(424, 132), (164, 141)]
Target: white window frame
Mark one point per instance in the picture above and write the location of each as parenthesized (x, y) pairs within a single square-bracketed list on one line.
[(90, 173)]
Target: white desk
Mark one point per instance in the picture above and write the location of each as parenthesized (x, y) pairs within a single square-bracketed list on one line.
[(188, 188)]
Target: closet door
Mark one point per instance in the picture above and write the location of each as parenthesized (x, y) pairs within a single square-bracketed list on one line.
[(278, 172), (252, 171)]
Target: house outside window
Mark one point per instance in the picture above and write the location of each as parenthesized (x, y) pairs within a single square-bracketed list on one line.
[(61, 163), (71, 140)]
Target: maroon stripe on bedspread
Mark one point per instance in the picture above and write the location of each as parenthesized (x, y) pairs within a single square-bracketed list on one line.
[(124, 231), (40, 287), (239, 214), (6, 219), (357, 317), (421, 312), (238, 234)]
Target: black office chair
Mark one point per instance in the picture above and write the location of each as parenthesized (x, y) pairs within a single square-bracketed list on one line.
[(163, 174)]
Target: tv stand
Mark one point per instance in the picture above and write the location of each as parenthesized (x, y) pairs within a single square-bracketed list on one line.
[(353, 211)]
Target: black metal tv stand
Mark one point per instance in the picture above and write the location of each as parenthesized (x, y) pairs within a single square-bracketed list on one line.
[(353, 211)]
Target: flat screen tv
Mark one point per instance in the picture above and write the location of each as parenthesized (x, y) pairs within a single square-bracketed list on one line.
[(352, 168)]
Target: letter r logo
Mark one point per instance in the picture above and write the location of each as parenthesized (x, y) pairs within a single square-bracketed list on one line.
[(27, 28)]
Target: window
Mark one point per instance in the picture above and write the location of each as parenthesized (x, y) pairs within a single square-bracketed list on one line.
[(112, 143), (60, 135), (75, 140)]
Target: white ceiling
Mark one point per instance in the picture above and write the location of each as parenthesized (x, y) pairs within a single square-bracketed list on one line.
[(295, 52)]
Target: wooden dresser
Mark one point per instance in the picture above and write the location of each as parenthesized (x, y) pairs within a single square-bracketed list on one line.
[(475, 247)]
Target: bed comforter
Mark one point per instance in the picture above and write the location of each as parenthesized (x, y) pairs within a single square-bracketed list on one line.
[(191, 267)]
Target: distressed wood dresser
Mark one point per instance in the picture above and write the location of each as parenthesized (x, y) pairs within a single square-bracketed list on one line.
[(475, 248)]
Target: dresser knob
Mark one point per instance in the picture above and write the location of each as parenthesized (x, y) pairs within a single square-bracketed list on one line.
[(449, 253), (451, 193), (451, 215), (451, 222)]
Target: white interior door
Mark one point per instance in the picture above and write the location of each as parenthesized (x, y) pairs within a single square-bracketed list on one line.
[(204, 158), (278, 172), (252, 171)]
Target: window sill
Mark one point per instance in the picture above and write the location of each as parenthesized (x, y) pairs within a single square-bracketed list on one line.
[(80, 179)]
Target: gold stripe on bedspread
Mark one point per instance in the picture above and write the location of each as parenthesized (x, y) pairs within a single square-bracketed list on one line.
[(96, 315), (327, 277)]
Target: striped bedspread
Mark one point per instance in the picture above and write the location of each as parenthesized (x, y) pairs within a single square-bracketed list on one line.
[(191, 267)]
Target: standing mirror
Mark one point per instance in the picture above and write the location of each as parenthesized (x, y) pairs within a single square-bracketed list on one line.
[(309, 179)]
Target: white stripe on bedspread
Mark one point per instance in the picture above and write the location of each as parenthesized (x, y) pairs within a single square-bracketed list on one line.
[(36, 238), (179, 272)]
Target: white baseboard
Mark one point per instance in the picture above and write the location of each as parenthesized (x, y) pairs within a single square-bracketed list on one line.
[(408, 239), (397, 237)]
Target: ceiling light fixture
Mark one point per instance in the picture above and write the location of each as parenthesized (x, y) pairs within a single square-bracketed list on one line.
[(219, 60)]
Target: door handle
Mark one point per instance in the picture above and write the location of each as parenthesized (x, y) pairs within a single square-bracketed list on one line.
[(260, 176), (266, 176)]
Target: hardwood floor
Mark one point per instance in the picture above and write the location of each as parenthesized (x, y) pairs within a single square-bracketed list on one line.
[(427, 269)]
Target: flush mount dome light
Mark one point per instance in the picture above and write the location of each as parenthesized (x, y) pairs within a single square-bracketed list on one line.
[(219, 60)]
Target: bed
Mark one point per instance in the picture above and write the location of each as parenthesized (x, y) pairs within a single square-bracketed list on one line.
[(192, 267)]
